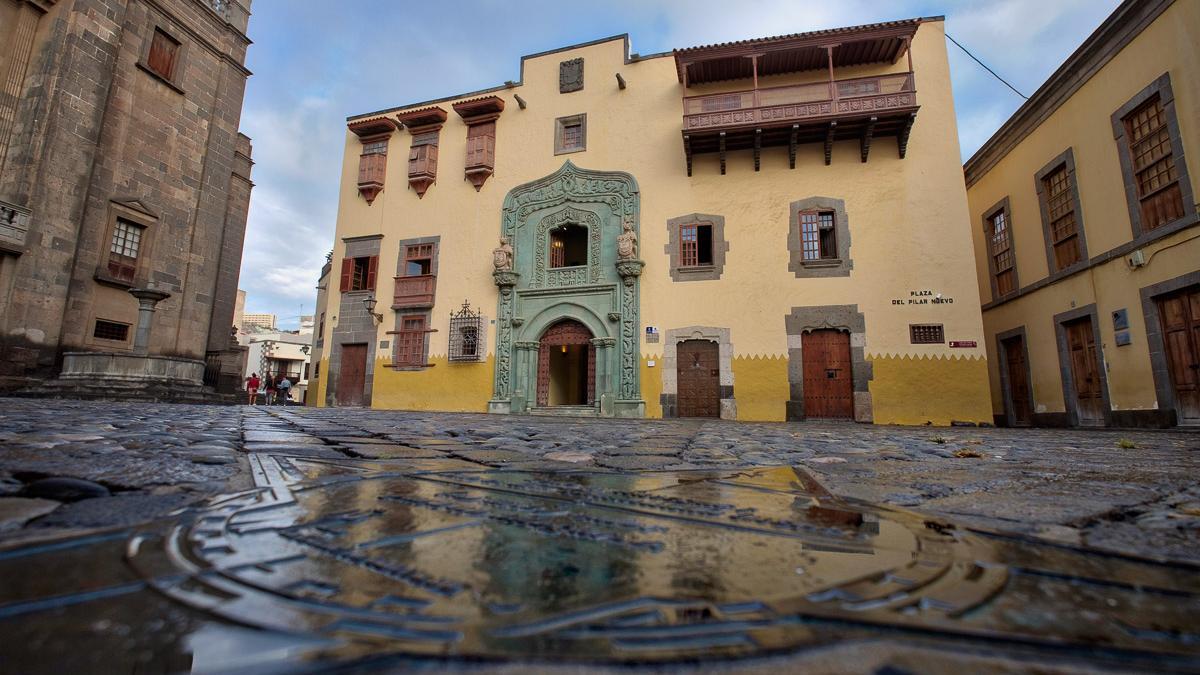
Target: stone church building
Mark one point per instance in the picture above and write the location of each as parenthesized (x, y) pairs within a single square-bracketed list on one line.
[(121, 168), (770, 229)]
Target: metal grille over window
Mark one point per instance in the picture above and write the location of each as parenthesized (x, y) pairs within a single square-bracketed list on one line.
[(926, 333), (1060, 205), (110, 330), (1002, 253), (466, 329), (1154, 164), (123, 253)]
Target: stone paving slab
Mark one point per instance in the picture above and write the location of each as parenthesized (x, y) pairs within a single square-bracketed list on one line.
[(1095, 508)]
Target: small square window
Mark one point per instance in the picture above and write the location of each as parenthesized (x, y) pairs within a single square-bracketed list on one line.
[(570, 134), (926, 334), (164, 55), (111, 330)]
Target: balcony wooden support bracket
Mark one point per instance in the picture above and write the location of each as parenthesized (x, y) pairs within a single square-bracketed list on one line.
[(792, 146), (722, 152), (620, 81), (757, 147), (687, 153), (828, 142), (902, 139), (865, 144)]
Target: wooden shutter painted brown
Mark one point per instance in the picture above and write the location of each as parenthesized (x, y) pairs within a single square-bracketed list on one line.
[(162, 54), (347, 272), (372, 270)]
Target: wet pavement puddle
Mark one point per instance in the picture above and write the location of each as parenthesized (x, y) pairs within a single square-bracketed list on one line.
[(371, 563)]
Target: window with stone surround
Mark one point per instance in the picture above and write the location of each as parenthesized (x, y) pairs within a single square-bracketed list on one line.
[(696, 244), (1062, 220), (1156, 179), (124, 249), (410, 341), (570, 134), (819, 238), (568, 246), (164, 55)]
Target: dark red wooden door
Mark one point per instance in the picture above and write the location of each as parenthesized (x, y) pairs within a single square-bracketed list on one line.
[(1019, 400), (567, 333), (699, 379), (352, 375), (1181, 335), (828, 383), (1085, 372)]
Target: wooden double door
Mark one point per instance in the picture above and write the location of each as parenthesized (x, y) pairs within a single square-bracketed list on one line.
[(698, 378), (1180, 317), (1086, 383), (566, 365), (828, 374)]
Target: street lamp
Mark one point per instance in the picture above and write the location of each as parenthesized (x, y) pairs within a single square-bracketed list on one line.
[(370, 303)]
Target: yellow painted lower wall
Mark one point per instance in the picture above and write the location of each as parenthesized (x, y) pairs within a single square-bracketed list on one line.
[(317, 386), (916, 390), (760, 387), (457, 387), (652, 386)]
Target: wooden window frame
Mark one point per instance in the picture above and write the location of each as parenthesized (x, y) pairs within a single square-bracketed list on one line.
[(369, 277), (560, 125), (824, 252), (178, 66), (148, 222), (1066, 162), (418, 252), (1160, 88), (1002, 209), (410, 345)]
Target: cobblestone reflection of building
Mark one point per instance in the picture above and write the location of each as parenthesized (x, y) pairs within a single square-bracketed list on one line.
[(764, 230), (121, 166), (1084, 216)]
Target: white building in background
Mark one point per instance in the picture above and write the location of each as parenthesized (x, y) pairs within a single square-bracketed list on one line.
[(281, 352), (261, 320)]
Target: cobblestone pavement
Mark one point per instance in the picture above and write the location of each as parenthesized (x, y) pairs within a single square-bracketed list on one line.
[(1131, 491), (139, 537)]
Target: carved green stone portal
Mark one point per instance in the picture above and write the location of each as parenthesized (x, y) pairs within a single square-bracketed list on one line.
[(603, 295)]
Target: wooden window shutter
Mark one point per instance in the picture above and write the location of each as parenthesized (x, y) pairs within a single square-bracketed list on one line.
[(163, 50), (347, 271), (372, 270)]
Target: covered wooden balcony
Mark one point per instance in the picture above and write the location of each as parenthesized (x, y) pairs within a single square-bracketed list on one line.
[(414, 292), (829, 110)]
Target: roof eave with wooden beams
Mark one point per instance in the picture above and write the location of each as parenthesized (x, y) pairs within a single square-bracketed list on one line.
[(479, 110), (423, 119), (858, 45), (372, 127)]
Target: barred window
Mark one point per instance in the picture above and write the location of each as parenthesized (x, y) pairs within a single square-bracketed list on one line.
[(124, 249), (818, 240), (111, 330), (466, 335), (926, 333)]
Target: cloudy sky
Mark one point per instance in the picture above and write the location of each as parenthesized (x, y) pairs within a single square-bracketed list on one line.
[(317, 62)]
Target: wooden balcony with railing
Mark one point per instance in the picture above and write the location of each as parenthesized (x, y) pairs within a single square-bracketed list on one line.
[(826, 111), (414, 292)]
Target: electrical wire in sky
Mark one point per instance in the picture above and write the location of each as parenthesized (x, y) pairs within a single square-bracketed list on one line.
[(985, 67)]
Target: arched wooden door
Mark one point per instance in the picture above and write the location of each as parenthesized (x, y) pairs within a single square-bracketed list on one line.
[(828, 374), (565, 335), (698, 374)]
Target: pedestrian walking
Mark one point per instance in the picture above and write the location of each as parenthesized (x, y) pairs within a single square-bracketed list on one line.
[(252, 385), (270, 385), (285, 388)]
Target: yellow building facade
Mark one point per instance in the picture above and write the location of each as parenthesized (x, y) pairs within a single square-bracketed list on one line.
[(765, 230), (1084, 222)]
